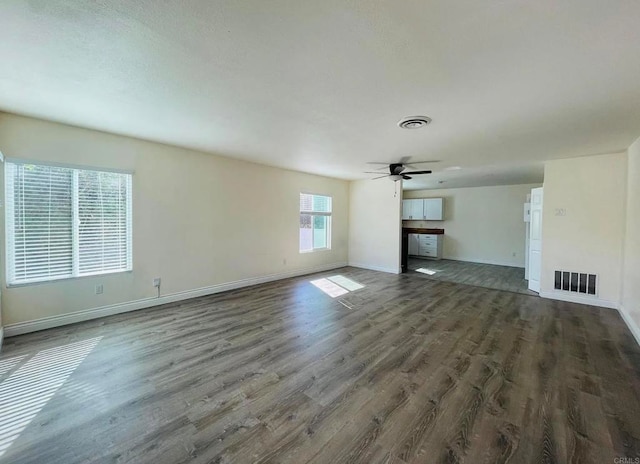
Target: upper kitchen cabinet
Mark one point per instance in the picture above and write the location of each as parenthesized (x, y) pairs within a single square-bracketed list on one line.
[(423, 209), (433, 209), (413, 209)]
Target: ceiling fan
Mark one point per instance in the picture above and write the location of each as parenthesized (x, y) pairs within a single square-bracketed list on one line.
[(397, 170)]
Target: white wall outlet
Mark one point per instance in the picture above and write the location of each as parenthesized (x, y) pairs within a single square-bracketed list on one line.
[(99, 289), (156, 282), (561, 212)]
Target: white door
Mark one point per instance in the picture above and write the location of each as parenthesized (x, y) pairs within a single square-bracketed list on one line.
[(535, 240)]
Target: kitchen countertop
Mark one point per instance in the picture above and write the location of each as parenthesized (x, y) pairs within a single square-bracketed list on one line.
[(414, 230)]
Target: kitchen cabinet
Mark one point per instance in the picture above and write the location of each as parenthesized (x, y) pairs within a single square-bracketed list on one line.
[(426, 245), (433, 209), (423, 209), (413, 209), (414, 244)]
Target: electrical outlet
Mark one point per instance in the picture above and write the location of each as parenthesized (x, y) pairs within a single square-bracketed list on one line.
[(156, 282), (99, 289)]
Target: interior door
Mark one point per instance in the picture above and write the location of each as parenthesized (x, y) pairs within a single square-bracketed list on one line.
[(535, 240)]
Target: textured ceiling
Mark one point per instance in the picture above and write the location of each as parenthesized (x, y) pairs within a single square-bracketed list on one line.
[(318, 86)]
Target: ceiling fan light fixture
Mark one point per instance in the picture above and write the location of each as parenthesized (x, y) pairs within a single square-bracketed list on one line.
[(395, 177), (414, 122)]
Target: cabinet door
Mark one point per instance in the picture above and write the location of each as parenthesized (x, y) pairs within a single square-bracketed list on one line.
[(433, 209), (414, 245), (412, 209), (417, 209), (406, 209)]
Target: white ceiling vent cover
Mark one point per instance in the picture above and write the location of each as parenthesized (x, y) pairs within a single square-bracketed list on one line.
[(414, 122)]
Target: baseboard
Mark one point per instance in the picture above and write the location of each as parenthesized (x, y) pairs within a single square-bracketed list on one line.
[(633, 327), (94, 313), (571, 298), (374, 268), (1, 337), (483, 261)]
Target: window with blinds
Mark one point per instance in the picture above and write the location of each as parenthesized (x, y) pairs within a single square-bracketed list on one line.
[(315, 222), (63, 222)]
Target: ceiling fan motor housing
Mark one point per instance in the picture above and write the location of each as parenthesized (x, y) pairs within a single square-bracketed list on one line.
[(396, 168)]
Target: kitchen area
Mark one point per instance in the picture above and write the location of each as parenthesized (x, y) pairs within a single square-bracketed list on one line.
[(420, 242), (473, 236)]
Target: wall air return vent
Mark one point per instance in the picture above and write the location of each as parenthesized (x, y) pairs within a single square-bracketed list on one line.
[(577, 282)]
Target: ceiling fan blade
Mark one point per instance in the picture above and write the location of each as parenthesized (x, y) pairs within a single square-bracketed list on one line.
[(417, 172), (422, 162), (380, 177), (377, 162), (404, 160), (373, 172), (405, 177)]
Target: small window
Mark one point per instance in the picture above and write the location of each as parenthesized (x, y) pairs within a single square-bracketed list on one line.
[(63, 222), (315, 222)]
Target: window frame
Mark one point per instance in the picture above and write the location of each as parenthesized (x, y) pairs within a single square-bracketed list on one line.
[(313, 214), (75, 223)]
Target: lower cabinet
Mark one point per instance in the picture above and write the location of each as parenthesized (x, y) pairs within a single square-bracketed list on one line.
[(426, 245)]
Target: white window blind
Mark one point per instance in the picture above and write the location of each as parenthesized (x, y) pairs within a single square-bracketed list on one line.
[(64, 222)]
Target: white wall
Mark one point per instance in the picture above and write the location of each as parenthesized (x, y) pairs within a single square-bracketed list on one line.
[(589, 236), (198, 220), (481, 224), (631, 273), (374, 225)]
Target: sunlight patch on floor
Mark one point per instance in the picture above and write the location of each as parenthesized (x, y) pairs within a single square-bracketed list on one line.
[(426, 271), (337, 285), (26, 391), (7, 364), (345, 282)]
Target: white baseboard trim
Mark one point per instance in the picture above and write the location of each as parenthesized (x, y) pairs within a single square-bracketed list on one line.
[(94, 313), (483, 261), (633, 327), (571, 298), (374, 268), (1, 337)]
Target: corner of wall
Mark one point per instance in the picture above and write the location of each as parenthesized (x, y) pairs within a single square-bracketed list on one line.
[(630, 293), (631, 323)]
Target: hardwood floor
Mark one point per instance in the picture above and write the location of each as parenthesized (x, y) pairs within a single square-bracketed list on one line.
[(506, 278), (402, 370)]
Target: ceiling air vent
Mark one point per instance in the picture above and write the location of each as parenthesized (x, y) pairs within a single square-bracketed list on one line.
[(414, 122)]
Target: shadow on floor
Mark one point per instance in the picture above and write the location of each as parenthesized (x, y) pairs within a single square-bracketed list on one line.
[(506, 278)]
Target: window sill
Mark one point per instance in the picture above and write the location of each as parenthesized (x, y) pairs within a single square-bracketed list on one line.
[(314, 250), (65, 279)]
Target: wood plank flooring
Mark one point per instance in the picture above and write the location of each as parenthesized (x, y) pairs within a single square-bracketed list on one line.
[(506, 278), (402, 370)]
